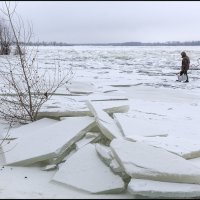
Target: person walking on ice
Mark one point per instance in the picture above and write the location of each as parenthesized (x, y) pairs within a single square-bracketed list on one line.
[(184, 67)]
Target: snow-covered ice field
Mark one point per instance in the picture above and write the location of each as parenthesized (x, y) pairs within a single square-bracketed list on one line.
[(149, 66), (162, 114)]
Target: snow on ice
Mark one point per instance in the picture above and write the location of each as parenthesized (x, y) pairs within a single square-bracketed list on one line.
[(120, 128)]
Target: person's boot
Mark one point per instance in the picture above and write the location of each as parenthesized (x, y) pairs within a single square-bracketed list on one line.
[(186, 81)]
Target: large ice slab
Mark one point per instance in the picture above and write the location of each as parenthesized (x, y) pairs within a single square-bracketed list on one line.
[(31, 127), (186, 148), (143, 161), (106, 89), (67, 107), (100, 97), (113, 106), (133, 126), (107, 157), (157, 189), (85, 171), (106, 124), (81, 87), (48, 142)]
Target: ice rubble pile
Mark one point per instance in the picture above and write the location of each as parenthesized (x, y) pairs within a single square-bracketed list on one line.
[(105, 153)]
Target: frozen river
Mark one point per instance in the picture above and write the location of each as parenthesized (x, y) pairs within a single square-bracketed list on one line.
[(149, 66), (121, 66), (144, 79)]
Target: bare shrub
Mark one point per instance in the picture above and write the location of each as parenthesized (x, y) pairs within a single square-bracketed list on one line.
[(18, 51), (5, 140), (5, 38), (25, 86)]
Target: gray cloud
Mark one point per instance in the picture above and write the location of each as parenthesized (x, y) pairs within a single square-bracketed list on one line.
[(91, 22)]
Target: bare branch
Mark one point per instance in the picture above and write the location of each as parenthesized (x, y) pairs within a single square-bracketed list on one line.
[(25, 86)]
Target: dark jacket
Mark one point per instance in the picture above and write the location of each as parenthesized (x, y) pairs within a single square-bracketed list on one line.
[(185, 62)]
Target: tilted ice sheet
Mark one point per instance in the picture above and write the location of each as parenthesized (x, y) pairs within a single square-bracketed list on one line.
[(184, 147), (85, 171), (147, 162), (157, 189), (104, 152), (84, 141), (105, 123), (31, 127), (62, 106), (107, 157), (48, 142)]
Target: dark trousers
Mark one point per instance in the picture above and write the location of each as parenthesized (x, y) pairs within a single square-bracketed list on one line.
[(184, 72)]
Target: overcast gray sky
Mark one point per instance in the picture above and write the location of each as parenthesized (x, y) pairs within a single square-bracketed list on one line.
[(114, 21)]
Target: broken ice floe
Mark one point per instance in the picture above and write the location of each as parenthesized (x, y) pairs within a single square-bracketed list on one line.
[(99, 154), (100, 97), (48, 142), (106, 89), (31, 127), (143, 161), (105, 153), (76, 109), (85, 171), (158, 189), (108, 158), (186, 148), (135, 127), (86, 140), (81, 87), (106, 124)]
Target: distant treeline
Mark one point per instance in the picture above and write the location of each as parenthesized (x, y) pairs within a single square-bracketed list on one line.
[(176, 43)]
